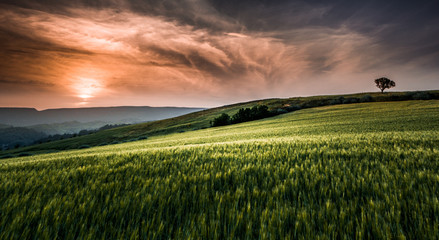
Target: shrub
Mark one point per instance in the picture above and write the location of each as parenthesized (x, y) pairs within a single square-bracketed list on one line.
[(222, 120), (84, 146), (334, 102), (421, 96), (312, 104), (280, 111), (366, 98), (250, 114), (245, 115), (350, 100), (293, 108), (396, 97)]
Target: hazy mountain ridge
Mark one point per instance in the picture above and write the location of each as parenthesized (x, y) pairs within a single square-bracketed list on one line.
[(21, 117), (66, 127), (24, 126)]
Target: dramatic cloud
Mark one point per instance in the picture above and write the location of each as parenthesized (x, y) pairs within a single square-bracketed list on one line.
[(207, 53)]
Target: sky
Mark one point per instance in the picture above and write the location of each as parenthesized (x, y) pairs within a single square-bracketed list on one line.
[(207, 53)]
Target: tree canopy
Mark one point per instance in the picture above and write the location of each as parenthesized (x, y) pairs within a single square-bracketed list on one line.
[(243, 115), (383, 83), (222, 120)]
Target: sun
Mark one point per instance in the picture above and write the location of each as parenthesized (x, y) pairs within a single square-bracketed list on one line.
[(86, 88)]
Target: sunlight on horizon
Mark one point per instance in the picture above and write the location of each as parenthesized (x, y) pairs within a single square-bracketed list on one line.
[(86, 88)]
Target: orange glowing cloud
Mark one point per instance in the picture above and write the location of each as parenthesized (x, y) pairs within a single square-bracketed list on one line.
[(142, 53), (121, 57)]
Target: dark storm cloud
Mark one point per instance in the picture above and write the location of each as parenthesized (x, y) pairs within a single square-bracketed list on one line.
[(221, 48), (197, 13), (399, 25), (404, 29)]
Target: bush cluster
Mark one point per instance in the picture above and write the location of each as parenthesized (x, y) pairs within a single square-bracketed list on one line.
[(250, 114), (243, 115), (222, 120)]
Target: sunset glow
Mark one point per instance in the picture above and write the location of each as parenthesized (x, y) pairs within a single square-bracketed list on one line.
[(207, 54), (86, 88)]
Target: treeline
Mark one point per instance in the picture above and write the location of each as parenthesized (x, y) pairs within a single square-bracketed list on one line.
[(15, 137), (56, 137), (243, 115), (285, 106)]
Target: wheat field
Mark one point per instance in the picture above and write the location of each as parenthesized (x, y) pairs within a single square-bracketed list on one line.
[(368, 170)]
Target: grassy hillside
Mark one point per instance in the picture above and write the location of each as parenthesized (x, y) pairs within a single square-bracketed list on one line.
[(367, 170), (201, 119)]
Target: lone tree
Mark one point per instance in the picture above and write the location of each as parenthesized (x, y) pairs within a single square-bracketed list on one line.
[(383, 83)]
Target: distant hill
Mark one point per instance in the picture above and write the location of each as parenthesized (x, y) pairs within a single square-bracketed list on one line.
[(20, 117), (18, 136), (201, 119), (66, 127)]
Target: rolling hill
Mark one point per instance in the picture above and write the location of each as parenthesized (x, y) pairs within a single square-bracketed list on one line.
[(201, 119), (27, 125), (362, 170)]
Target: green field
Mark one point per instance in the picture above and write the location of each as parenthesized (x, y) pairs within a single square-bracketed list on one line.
[(201, 120), (366, 170)]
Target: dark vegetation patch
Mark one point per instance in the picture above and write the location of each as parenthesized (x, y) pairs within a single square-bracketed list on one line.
[(245, 115)]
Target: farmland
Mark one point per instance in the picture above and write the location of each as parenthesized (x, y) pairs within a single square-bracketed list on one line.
[(366, 170), (201, 120)]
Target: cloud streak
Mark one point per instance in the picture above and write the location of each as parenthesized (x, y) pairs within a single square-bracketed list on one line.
[(198, 53)]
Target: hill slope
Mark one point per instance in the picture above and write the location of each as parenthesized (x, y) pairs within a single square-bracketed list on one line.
[(201, 119), (366, 170)]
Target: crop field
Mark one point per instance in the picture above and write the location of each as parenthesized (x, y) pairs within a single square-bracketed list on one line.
[(357, 171), (201, 120)]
